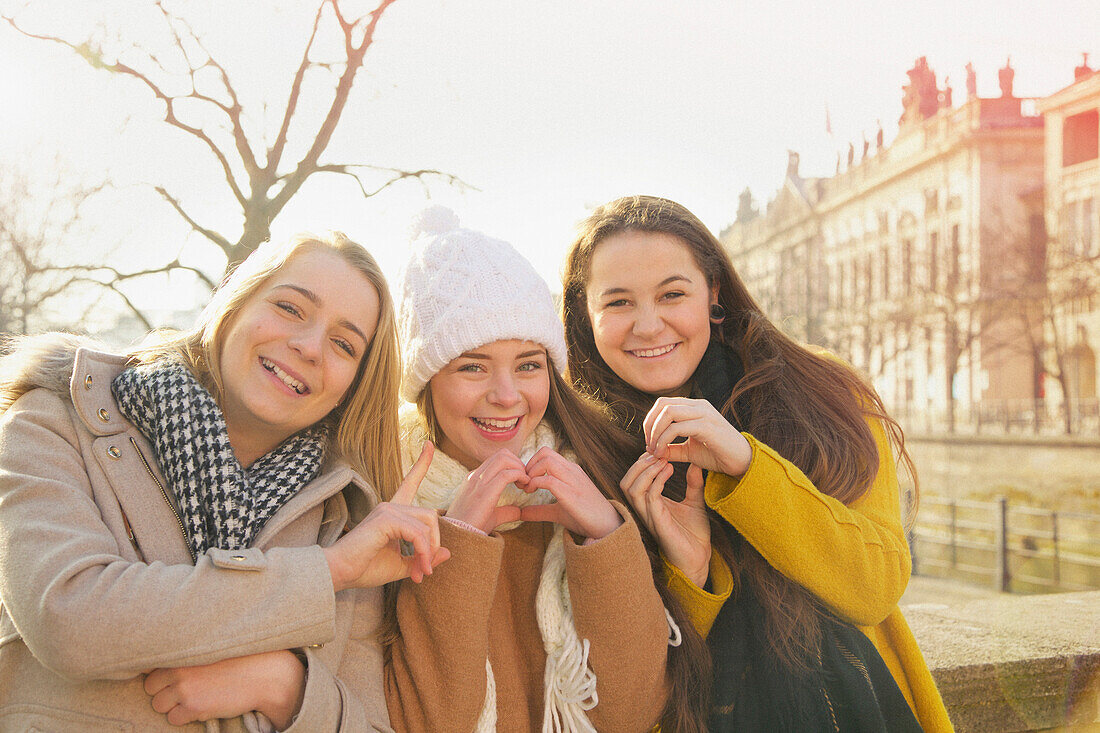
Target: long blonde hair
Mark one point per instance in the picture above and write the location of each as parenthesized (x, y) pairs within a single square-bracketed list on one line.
[(364, 424)]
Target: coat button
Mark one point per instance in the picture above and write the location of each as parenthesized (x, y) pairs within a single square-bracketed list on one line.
[(104, 415), (114, 452), (88, 382)]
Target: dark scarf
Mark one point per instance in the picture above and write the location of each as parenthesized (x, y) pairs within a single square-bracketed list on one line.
[(221, 503), (848, 688)]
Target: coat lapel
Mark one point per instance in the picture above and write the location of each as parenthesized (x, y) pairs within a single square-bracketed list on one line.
[(154, 521), (127, 460)]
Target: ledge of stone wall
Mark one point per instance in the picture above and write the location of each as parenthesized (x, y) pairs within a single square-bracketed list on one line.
[(1012, 439), (1014, 663)]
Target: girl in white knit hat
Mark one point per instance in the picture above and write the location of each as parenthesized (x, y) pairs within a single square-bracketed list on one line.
[(546, 616)]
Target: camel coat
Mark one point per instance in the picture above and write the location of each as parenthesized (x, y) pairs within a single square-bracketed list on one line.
[(481, 604), (98, 585)]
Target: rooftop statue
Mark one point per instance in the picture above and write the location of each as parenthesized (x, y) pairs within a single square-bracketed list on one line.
[(1005, 76), (1080, 72)]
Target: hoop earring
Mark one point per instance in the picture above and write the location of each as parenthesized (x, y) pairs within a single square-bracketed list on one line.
[(717, 313)]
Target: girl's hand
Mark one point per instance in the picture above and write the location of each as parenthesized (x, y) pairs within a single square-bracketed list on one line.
[(681, 528), (476, 500), (580, 506), (371, 553), (272, 683), (711, 442)]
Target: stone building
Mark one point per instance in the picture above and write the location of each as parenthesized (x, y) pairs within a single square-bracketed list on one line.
[(1072, 206), (919, 261)]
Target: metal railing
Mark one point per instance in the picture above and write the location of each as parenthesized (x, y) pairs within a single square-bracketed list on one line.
[(1016, 548), (1007, 417)]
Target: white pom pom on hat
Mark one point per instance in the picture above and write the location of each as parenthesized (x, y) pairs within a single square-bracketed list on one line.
[(433, 220), (461, 289)]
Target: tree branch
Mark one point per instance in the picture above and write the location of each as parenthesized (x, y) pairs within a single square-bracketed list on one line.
[(210, 234), (117, 276), (233, 110), (275, 153), (96, 59), (397, 175), (355, 54)]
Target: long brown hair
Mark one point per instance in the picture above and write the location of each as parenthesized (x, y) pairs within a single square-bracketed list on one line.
[(605, 452), (810, 408)]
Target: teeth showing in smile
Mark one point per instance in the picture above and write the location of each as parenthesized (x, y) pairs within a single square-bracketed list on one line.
[(288, 380), (659, 351), (490, 424)]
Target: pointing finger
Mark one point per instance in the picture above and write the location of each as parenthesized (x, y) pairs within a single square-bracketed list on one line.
[(407, 490)]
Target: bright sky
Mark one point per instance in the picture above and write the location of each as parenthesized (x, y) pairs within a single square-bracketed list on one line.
[(547, 108)]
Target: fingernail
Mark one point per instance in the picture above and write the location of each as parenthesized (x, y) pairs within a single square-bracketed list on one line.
[(648, 457)]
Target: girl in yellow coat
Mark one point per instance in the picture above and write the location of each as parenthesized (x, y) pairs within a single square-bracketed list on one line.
[(801, 486)]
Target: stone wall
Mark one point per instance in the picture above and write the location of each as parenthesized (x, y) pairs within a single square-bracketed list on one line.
[(1055, 473), (1014, 663)]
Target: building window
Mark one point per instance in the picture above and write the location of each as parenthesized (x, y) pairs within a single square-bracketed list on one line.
[(1081, 234), (1081, 371), (885, 273), (1090, 241), (1037, 250), (929, 369), (934, 261), (1080, 138), (869, 276), (931, 201), (907, 265), (954, 263)]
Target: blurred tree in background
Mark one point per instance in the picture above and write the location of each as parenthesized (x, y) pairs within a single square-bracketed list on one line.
[(263, 157), (37, 217)]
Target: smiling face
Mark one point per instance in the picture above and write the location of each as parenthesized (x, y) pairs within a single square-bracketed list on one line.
[(489, 398), (649, 306), (293, 350)]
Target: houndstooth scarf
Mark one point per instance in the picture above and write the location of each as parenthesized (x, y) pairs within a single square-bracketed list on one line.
[(221, 503)]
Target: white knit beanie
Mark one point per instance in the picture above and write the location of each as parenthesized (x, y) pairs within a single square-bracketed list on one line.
[(460, 290)]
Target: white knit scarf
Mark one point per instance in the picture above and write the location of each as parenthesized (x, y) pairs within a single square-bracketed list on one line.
[(570, 686)]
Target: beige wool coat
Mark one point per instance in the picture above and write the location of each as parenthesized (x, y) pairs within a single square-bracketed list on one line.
[(98, 586)]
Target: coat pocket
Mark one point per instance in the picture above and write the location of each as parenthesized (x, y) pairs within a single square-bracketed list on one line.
[(30, 718)]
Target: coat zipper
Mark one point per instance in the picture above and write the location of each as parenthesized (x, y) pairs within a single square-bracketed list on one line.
[(168, 501), (828, 700)]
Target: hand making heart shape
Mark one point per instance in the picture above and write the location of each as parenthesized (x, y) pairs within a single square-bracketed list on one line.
[(579, 505)]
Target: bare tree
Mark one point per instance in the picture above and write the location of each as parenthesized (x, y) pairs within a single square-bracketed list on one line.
[(204, 103), (1072, 277), (950, 304), (929, 294), (37, 219)]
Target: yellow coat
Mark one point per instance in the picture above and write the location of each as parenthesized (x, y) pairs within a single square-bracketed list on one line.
[(854, 558)]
